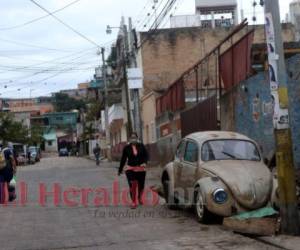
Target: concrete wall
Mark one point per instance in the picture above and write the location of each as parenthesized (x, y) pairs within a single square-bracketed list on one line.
[(115, 112), (248, 109), (148, 118), (294, 98), (51, 148)]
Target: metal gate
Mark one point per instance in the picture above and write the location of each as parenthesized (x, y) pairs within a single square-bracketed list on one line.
[(201, 117)]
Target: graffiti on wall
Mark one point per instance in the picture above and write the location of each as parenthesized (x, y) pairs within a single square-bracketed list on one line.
[(281, 115)]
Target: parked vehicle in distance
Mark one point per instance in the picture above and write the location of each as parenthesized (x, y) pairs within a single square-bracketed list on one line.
[(21, 160), (219, 173), (63, 152), (35, 155)]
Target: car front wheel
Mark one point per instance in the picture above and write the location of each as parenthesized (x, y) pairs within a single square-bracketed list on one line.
[(201, 211), (171, 200)]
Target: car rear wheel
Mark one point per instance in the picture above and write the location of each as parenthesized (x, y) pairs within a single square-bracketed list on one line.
[(171, 200), (201, 211)]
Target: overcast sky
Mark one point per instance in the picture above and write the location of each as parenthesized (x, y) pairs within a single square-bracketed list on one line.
[(44, 56)]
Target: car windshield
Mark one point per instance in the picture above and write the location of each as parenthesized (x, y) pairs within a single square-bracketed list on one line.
[(230, 150), (32, 149)]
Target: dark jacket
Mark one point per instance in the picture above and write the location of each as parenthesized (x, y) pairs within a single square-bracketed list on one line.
[(131, 159), (7, 172), (97, 151)]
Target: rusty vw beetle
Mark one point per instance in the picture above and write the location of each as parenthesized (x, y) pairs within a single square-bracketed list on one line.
[(220, 173)]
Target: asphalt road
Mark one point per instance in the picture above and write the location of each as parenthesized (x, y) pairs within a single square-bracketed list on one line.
[(81, 219)]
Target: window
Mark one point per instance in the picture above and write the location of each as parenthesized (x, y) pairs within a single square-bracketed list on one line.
[(191, 152), (50, 143), (180, 150), (229, 150)]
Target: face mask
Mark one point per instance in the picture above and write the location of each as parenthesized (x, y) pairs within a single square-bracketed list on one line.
[(133, 141)]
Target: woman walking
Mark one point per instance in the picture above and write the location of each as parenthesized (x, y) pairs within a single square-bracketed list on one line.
[(7, 171), (136, 157)]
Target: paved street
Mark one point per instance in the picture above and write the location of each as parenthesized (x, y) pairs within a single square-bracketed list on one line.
[(103, 227)]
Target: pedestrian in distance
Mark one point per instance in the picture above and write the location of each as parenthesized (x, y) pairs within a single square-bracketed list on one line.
[(135, 157), (7, 171), (97, 152)]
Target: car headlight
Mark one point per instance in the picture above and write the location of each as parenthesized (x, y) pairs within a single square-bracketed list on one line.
[(220, 196)]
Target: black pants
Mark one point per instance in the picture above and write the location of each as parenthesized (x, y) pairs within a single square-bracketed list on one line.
[(6, 176), (136, 181)]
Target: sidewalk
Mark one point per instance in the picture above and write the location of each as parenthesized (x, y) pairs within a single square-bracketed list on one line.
[(282, 241)]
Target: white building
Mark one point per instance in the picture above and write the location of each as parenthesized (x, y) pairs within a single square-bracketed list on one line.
[(183, 21), (117, 128), (216, 13)]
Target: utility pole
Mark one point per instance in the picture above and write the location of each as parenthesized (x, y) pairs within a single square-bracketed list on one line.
[(284, 150), (107, 131), (138, 127), (125, 61)]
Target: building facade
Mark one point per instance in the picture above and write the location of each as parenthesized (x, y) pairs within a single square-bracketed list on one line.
[(41, 105)]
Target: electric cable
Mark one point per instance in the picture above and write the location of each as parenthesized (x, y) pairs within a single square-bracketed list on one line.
[(65, 24), (39, 18)]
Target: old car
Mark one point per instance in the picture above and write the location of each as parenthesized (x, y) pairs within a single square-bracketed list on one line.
[(63, 152), (33, 154), (219, 173)]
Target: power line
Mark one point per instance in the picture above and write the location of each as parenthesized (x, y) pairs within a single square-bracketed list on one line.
[(149, 16), (34, 74), (51, 70), (38, 64), (9, 81), (175, 8), (39, 18), (67, 25), (30, 45), (140, 15), (38, 82), (157, 22)]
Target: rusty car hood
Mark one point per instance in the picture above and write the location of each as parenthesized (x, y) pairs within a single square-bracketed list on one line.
[(250, 182)]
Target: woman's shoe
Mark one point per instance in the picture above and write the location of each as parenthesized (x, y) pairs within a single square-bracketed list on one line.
[(133, 205)]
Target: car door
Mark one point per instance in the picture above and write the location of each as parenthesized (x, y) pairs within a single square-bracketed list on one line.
[(189, 169), (178, 163)]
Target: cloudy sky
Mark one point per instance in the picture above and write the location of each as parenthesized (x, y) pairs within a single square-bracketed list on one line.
[(39, 55)]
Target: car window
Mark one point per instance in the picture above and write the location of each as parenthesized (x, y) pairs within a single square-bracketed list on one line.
[(180, 150), (229, 150), (191, 152)]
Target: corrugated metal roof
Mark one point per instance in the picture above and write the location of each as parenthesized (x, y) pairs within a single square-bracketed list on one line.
[(51, 136)]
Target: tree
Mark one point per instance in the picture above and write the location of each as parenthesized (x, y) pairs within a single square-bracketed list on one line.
[(89, 132), (12, 131), (36, 136), (64, 103), (94, 111)]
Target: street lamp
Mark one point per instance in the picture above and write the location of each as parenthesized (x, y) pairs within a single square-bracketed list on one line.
[(109, 29)]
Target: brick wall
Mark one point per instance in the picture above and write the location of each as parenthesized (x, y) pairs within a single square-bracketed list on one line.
[(169, 52)]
